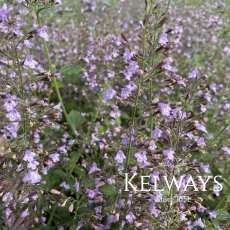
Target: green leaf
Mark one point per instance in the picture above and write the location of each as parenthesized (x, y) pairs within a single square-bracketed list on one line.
[(79, 172), (54, 178), (88, 183), (63, 216), (76, 118), (72, 69), (223, 215), (112, 200), (108, 190), (83, 211)]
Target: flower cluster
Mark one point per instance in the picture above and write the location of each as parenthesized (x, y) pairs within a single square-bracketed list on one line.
[(115, 114)]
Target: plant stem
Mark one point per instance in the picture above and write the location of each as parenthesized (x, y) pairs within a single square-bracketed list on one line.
[(136, 99), (52, 215), (22, 90), (54, 79)]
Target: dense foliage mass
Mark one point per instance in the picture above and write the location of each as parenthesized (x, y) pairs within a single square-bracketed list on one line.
[(94, 93)]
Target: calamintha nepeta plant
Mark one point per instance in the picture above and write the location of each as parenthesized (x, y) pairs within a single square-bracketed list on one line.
[(88, 106)]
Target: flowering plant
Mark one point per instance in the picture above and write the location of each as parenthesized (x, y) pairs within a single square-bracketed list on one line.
[(115, 114)]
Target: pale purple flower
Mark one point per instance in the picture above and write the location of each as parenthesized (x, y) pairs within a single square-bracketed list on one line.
[(13, 115), (132, 68), (29, 155), (152, 145), (193, 74), (205, 168), (63, 149), (111, 180), (64, 185), (127, 55), (24, 214), (216, 189), (58, 107), (125, 140), (58, 1), (203, 108), (7, 197), (213, 87), (183, 217), (115, 53), (3, 12), (109, 94), (169, 68), (91, 193), (42, 32), (168, 154), (33, 164), (120, 157), (201, 127), (94, 139), (77, 186), (154, 211), (30, 62), (182, 82), (98, 209), (9, 103), (163, 39), (165, 109), (227, 106), (36, 137), (155, 176), (8, 212), (94, 168), (156, 133), (141, 158), (207, 96), (199, 223), (226, 149), (190, 135), (32, 177), (115, 114), (182, 115), (10, 130), (201, 209), (157, 196), (125, 92), (130, 217), (132, 86), (201, 142), (57, 75), (55, 157), (212, 214)]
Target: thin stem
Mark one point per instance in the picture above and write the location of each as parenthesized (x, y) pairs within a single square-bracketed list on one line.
[(168, 5), (22, 90), (54, 79), (151, 98), (52, 215), (136, 100)]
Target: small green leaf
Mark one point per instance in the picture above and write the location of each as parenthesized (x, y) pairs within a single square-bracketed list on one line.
[(63, 216), (223, 215), (72, 69), (88, 183), (54, 178), (76, 118), (83, 211), (108, 190)]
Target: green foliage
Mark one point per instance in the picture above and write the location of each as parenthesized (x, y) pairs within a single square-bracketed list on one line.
[(110, 192), (72, 69), (76, 118)]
